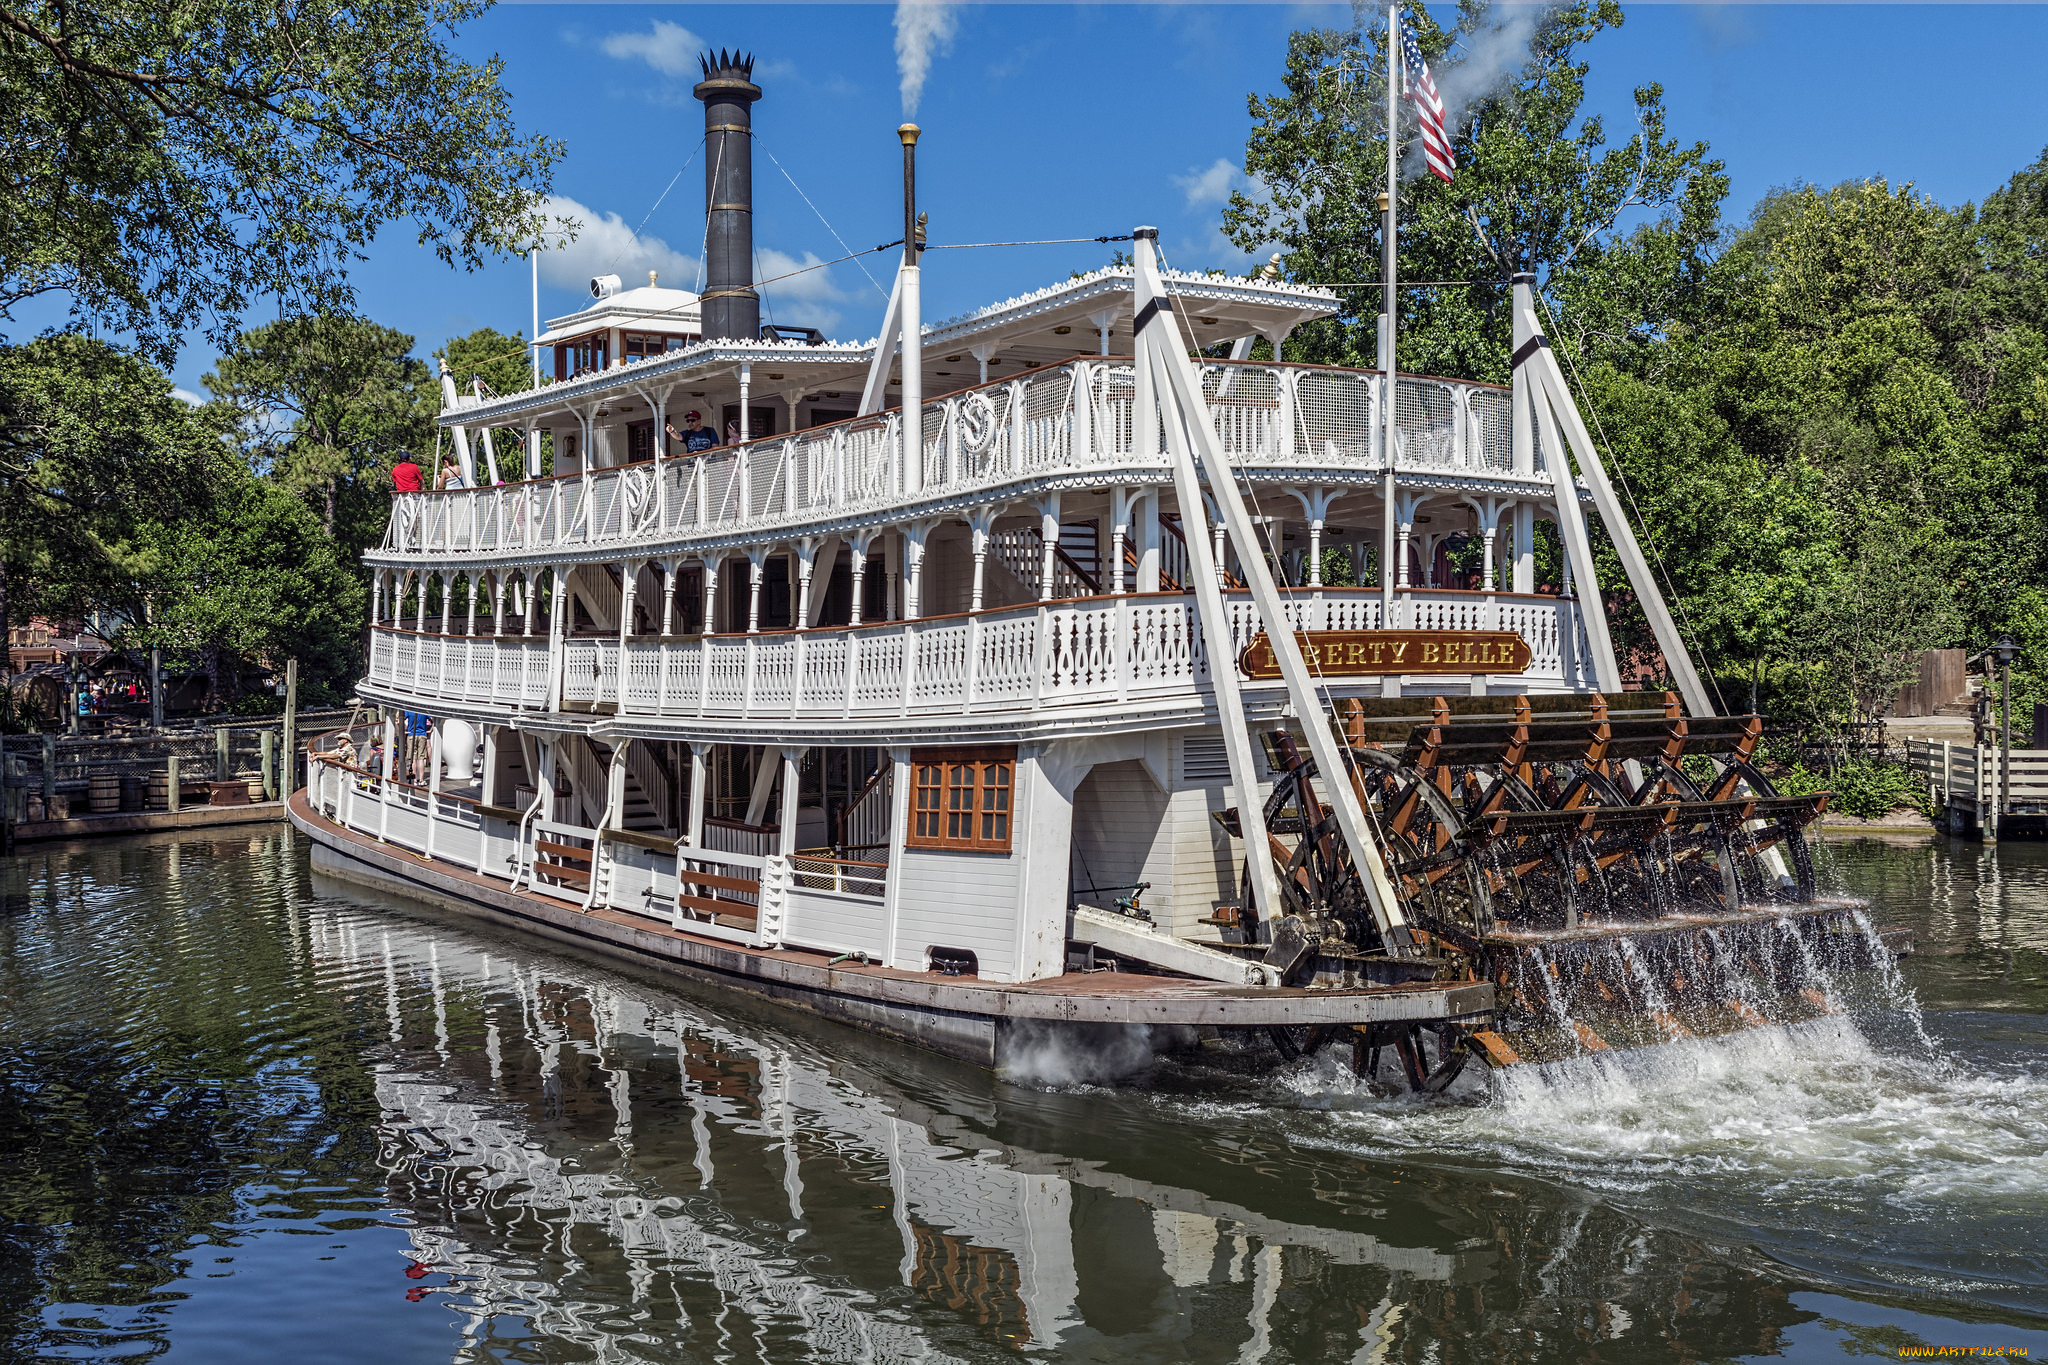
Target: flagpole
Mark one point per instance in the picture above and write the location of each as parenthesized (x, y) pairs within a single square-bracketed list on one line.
[(1388, 571)]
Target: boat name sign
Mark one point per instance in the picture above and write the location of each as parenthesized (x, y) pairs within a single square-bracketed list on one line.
[(1368, 653)]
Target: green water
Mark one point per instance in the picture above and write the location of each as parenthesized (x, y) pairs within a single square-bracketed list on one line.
[(249, 1114)]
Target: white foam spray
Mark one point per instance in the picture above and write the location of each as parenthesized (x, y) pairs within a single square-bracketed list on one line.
[(924, 30), (1064, 1056)]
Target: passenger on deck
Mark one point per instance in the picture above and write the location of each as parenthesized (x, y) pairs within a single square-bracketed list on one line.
[(696, 437)]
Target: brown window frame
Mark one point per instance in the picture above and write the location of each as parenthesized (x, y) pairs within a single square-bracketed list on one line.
[(940, 819)]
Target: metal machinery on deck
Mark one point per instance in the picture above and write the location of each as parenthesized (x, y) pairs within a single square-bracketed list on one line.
[(1603, 865)]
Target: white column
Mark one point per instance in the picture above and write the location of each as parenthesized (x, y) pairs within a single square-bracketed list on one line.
[(531, 599), (979, 523), (756, 566), (913, 569), (790, 795), (1120, 500), (668, 596), (1148, 539), (1489, 533), (447, 601), (806, 561), (1049, 535), (892, 573), (746, 392), (711, 563), (913, 378), (1104, 319), (700, 760), (858, 551), (1525, 547)]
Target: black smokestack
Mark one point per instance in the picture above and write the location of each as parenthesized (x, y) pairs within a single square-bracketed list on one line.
[(731, 307)]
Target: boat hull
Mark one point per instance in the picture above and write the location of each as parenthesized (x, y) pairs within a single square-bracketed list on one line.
[(972, 1021)]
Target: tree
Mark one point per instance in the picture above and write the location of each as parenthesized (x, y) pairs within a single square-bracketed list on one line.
[(93, 448), (503, 365), (166, 163), (256, 580), (326, 405), (1537, 189)]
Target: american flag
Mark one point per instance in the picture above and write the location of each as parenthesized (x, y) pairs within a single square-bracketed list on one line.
[(1429, 108)]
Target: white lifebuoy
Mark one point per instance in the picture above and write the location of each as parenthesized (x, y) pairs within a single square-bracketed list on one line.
[(977, 422)]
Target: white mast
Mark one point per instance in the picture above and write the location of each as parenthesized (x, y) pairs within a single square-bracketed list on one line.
[(1388, 572), (532, 431)]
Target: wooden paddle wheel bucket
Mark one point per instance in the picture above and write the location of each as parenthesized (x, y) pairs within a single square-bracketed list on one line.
[(1588, 858)]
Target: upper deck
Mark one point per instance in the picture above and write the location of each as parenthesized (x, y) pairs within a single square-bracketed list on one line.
[(1070, 425)]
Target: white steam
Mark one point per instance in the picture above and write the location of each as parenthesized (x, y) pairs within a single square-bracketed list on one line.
[(1487, 58), (924, 30)]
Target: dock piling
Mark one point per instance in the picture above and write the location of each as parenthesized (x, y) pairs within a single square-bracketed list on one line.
[(290, 777)]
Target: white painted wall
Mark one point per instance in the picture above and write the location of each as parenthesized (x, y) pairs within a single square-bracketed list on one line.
[(1008, 909), (959, 900)]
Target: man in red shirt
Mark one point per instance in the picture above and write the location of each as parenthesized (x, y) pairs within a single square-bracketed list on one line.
[(405, 476)]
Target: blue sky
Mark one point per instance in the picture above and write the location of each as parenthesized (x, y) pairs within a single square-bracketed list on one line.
[(1047, 121)]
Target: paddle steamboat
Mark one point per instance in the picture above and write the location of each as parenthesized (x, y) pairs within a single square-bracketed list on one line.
[(978, 687)]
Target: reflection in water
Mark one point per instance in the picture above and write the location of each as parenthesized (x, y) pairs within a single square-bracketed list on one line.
[(249, 1101)]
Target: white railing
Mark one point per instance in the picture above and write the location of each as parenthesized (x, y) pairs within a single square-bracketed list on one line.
[(1110, 651), (1072, 418), (753, 896)]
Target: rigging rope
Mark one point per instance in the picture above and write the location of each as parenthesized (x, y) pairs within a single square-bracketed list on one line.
[(815, 209), (657, 203)]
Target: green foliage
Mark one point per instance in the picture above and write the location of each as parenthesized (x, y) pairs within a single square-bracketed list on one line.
[(1537, 189), (167, 164), (93, 450), (1829, 422), (502, 362), (1868, 790), (258, 579), (326, 405)]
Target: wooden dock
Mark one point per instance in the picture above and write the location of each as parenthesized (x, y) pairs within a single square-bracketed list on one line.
[(144, 821), (1983, 791)]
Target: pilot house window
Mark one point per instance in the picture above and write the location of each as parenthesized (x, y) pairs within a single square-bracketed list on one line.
[(960, 798)]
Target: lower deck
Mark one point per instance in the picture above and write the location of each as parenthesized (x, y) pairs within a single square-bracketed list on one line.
[(959, 1016)]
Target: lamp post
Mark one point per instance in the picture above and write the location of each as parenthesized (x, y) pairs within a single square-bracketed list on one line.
[(2005, 651)]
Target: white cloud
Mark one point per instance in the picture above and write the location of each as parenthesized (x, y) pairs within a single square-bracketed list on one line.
[(605, 245), (924, 30), (806, 299), (669, 48), (1211, 186), (187, 397)]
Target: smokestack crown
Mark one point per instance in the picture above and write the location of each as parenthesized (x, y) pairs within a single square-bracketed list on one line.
[(728, 76)]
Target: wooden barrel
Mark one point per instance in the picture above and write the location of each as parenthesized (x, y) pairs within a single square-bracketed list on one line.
[(156, 794), (103, 793)]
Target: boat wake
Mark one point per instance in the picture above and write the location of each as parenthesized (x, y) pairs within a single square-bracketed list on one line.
[(1811, 1139)]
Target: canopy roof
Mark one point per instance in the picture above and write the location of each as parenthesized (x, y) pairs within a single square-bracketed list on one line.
[(1015, 336), (646, 309)]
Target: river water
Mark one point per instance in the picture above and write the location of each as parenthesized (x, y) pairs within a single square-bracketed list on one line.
[(249, 1114)]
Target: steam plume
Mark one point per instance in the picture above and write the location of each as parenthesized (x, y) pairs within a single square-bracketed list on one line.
[(924, 29), (1492, 55)]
